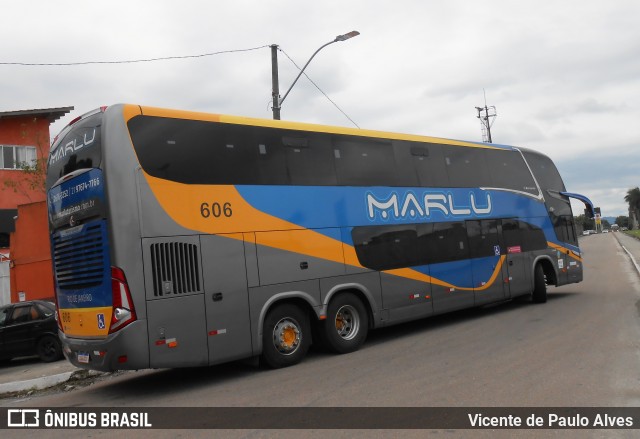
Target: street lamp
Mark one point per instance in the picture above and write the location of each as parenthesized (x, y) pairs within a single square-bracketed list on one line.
[(277, 102)]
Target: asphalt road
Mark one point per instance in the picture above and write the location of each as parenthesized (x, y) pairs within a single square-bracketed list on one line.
[(581, 348)]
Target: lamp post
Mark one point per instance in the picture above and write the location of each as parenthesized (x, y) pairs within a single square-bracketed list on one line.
[(275, 91)]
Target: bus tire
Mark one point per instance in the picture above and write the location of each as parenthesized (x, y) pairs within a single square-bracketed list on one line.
[(346, 325), (539, 294), (49, 349), (286, 336)]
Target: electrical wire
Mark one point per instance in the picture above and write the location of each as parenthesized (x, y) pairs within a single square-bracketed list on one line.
[(319, 89), (164, 58), (167, 58)]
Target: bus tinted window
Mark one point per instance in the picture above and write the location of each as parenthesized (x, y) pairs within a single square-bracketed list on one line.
[(449, 242), (466, 167), (423, 164), (532, 237), (390, 247), (524, 235), (545, 171), (508, 170), (550, 182), (386, 247), (364, 162), (565, 229), (482, 237), (309, 160), (79, 148), (190, 151)]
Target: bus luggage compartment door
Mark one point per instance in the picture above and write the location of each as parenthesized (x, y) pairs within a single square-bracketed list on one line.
[(226, 296), (175, 302)]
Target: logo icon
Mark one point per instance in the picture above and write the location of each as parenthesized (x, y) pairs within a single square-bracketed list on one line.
[(23, 418)]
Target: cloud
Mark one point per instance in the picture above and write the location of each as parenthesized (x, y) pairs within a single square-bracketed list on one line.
[(564, 76)]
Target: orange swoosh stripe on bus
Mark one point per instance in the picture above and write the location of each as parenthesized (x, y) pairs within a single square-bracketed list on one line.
[(565, 251), (182, 202), (416, 275)]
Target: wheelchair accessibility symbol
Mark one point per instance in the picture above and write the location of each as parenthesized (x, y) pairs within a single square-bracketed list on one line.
[(101, 324), (496, 250)]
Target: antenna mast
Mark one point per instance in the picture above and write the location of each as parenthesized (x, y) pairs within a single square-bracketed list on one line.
[(485, 114)]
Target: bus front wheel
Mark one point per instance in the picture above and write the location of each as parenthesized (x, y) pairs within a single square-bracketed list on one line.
[(346, 325), (539, 294), (286, 336)]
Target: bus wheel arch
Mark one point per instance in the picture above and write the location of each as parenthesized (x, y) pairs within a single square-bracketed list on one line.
[(543, 275), (550, 273), (347, 322)]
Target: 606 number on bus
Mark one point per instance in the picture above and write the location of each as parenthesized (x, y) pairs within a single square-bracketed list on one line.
[(216, 210)]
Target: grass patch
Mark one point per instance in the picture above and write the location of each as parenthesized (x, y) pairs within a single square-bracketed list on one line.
[(634, 233)]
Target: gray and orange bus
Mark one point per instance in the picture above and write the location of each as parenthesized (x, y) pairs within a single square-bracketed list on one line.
[(189, 239)]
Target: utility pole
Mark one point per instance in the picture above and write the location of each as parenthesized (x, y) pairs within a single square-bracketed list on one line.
[(275, 88), (484, 115)]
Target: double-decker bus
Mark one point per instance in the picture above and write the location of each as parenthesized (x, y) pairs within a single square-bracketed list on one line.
[(189, 239)]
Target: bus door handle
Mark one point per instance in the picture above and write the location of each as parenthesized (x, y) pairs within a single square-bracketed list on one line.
[(217, 297)]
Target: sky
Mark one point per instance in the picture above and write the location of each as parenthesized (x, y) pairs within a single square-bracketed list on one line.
[(564, 76)]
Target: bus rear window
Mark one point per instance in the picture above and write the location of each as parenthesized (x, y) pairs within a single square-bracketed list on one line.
[(79, 148)]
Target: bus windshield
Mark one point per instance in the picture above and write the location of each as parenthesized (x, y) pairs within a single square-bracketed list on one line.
[(77, 148)]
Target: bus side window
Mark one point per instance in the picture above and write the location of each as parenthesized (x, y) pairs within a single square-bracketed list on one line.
[(466, 167), (309, 159), (565, 229), (509, 171), (448, 242), (364, 162), (423, 164), (386, 247), (533, 237)]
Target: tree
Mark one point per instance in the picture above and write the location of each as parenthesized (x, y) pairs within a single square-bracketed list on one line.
[(622, 221), (584, 223), (633, 198)]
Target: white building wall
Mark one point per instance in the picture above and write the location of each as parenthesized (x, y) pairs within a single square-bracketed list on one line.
[(5, 287)]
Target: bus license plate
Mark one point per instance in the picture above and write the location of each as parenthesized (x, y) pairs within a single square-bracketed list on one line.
[(83, 357)]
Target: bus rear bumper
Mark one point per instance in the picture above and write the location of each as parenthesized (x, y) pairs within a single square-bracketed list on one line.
[(127, 349)]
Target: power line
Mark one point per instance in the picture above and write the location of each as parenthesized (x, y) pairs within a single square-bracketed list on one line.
[(319, 89), (133, 61), (167, 58)]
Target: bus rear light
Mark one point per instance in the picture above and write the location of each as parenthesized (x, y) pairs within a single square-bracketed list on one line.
[(123, 309), (58, 317), (74, 120)]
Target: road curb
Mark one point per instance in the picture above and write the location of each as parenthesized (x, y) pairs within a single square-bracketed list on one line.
[(36, 383), (633, 260)]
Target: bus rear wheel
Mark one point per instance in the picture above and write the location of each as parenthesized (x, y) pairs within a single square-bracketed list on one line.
[(539, 294), (286, 336), (346, 326)]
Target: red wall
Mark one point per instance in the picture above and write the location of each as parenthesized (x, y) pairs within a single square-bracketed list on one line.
[(30, 268), (22, 131)]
